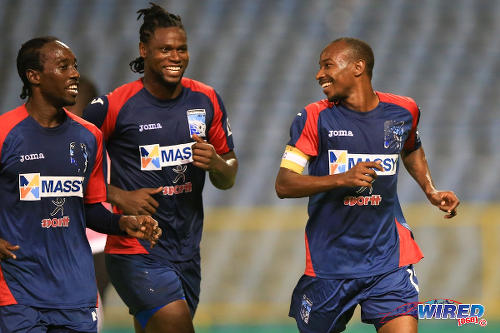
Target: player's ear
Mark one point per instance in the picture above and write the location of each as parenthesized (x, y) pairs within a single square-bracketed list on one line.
[(142, 50), (33, 76), (359, 67)]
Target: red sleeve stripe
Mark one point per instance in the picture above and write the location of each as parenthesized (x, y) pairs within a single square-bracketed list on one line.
[(216, 133), (96, 187), (116, 100), (308, 141), (9, 120), (409, 104)]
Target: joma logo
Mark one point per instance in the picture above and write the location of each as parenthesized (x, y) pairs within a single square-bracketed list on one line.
[(147, 127), (29, 157)]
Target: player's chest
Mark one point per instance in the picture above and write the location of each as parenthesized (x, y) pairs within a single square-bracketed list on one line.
[(148, 125), (383, 134)]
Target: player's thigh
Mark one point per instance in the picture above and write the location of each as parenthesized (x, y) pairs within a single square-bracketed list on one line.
[(174, 317), (142, 284), (324, 305), (401, 324), (390, 296)]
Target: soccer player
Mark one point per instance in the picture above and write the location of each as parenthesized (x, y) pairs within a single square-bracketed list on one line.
[(359, 248), (163, 132), (51, 187)]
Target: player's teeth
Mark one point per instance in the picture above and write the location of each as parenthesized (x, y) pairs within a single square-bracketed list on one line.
[(326, 84)]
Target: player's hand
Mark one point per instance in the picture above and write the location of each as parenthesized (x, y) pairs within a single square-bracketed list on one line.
[(141, 226), (362, 174), (204, 155), (6, 250), (446, 201), (139, 202)]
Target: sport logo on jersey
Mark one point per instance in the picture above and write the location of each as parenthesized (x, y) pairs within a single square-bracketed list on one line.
[(340, 161), (197, 122), (154, 157), (33, 187)]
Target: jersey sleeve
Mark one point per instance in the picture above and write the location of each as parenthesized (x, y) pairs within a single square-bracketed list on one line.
[(220, 134), (96, 186), (96, 112), (304, 133), (413, 141)]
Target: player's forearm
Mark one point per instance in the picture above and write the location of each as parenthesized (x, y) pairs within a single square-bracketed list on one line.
[(99, 219), (115, 195), (290, 184), (416, 164), (224, 173)]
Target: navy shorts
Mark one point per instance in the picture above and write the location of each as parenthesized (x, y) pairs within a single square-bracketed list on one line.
[(327, 305), (145, 284), (22, 318)]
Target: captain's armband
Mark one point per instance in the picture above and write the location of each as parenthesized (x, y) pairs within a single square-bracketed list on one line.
[(293, 159)]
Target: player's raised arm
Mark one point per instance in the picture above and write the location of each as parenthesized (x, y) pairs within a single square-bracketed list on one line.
[(416, 164)]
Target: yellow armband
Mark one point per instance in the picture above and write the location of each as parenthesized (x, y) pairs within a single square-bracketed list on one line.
[(293, 159)]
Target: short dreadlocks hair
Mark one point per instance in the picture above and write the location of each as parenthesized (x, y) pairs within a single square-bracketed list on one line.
[(154, 17)]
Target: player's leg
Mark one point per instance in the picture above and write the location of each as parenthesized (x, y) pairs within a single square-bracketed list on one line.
[(172, 318), (402, 324), (323, 305), (391, 301), (152, 291)]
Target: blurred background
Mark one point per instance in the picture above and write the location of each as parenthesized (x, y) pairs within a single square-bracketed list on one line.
[(262, 56)]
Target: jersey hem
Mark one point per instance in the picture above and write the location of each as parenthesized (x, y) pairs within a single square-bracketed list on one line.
[(359, 275)]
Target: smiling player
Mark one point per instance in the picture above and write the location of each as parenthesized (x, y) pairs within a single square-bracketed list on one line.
[(359, 248)]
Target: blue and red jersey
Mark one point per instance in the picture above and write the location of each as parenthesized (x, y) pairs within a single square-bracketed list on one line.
[(357, 232), (46, 177), (149, 142)]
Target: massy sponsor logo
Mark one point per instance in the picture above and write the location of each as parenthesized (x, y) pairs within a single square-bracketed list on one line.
[(156, 157), (33, 187), (340, 161)]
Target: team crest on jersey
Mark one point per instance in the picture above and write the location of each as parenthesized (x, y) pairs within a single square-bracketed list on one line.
[(394, 134), (33, 187), (341, 161), (156, 157), (197, 122), (79, 157), (150, 157), (305, 309)]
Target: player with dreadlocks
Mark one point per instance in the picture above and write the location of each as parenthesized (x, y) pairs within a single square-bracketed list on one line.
[(163, 133)]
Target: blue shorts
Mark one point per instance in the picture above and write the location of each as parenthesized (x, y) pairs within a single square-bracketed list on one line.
[(22, 318), (145, 284), (327, 305)]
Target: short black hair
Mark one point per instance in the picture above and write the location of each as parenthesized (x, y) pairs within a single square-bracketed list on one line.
[(360, 50), (154, 17), (28, 57)]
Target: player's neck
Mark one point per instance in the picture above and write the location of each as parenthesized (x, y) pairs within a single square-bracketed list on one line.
[(363, 99), (44, 113), (160, 90)]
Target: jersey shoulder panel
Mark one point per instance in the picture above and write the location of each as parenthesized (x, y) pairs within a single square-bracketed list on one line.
[(9, 120), (116, 99), (308, 140), (403, 101), (198, 87), (87, 124)]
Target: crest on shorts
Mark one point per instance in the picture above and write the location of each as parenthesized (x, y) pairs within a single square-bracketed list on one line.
[(305, 309), (197, 122)]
